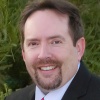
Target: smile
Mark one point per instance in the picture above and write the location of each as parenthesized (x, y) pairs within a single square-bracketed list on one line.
[(47, 68)]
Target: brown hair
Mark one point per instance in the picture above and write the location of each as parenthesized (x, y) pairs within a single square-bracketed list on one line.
[(61, 6)]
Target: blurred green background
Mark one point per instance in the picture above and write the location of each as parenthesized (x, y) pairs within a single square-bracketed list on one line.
[(13, 74)]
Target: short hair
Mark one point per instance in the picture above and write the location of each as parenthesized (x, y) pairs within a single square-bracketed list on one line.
[(61, 6)]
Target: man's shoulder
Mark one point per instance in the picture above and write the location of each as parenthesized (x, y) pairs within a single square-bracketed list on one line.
[(95, 81), (92, 78), (22, 94), (93, 90)]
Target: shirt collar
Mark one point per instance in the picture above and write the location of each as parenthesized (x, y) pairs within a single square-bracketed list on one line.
[(56, 94)]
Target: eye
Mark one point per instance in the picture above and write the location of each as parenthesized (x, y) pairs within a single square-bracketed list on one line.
[(33, 43), (56, 42)]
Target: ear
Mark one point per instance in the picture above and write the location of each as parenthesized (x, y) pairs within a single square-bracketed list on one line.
[(80, 45), (23, 54)]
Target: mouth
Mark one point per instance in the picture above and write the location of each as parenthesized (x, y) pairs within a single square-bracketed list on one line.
[(47, 68), (48, 71)]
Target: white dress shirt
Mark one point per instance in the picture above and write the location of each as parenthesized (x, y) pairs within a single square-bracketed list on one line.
[(56, 94)]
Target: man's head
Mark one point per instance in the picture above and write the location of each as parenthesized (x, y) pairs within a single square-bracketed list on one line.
[(53, 42)]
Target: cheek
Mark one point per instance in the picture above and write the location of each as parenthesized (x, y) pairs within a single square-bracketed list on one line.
[(29, 58), (61, 53), (68, 56)]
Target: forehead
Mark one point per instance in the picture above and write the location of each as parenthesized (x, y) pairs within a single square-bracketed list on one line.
[(47, 15), (52, 12), (47, 21)]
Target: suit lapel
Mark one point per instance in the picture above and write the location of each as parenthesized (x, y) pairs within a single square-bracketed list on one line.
[(79, 85), (33, 97), (32, 93)]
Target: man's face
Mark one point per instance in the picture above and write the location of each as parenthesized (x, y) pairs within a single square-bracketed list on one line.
[(49, 54)]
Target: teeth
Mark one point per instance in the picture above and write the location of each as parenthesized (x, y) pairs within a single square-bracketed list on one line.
[(47, 68)]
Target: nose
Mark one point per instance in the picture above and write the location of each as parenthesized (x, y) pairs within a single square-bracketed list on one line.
[(44, 52)]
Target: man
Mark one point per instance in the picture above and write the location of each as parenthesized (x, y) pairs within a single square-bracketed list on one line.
[(53, 44)]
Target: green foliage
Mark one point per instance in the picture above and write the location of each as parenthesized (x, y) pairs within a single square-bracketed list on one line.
[(11, 64), (6, 93)]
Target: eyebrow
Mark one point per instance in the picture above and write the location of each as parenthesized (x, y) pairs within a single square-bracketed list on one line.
[(56, 36), (50, 37), (33, 39)]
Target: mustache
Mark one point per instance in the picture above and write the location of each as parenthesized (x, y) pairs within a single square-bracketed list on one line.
[(47, 61)]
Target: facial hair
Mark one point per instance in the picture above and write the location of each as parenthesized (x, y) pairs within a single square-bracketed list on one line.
[(55, 81)]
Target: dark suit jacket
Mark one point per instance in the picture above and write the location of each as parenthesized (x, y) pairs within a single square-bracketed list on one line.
[(84, 86)]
